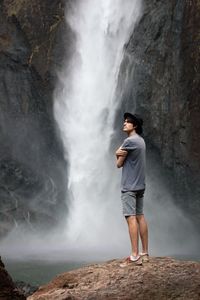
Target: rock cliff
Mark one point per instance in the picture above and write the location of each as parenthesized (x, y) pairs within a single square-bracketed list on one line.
[(32, 167), (161, 278), (8, 291)]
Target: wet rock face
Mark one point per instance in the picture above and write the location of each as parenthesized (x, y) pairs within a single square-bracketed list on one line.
[(39, 20), (8, 291), (190, 53), (161, 278), (32, 167), (48, 35), (26, 288), (160, 74)]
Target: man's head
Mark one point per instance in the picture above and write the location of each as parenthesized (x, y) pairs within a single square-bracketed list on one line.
[(132, 122)]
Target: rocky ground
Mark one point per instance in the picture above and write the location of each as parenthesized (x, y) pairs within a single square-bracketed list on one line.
[(161, 278)]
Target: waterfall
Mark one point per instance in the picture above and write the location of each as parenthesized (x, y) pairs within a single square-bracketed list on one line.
[(84, 108), (85, 111)]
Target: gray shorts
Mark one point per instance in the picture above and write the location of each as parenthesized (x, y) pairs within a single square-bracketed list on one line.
[(132, 203)]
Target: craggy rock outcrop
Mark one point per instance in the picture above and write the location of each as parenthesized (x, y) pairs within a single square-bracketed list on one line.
[(32, 166), (25, 288), (39, 21), (48, 35), (161, 278), (160, 75), (8, 291)]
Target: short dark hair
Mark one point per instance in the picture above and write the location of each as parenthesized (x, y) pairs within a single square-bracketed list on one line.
[(136, 120)]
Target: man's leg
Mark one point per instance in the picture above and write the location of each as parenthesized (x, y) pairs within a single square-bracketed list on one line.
[(133, 233), (129, 211), (142, 224), (143, 229)]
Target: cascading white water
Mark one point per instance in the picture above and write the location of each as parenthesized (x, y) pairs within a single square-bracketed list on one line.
[(85, 113)]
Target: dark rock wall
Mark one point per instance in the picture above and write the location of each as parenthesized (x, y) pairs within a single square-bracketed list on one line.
[(40, 21), (8, 291), (190, 54), (32, 167), (160, 72)]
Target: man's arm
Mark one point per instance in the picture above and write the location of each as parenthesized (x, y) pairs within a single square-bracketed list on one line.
[(121, 156)]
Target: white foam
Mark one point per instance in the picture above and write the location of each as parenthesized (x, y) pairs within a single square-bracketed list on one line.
[(85, 113)]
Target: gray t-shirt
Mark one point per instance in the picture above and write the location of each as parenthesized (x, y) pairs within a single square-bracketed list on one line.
[(133, 171)]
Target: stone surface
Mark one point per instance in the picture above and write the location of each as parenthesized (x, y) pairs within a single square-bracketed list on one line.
[(26, 288), (8, 291), (161, 278), (48, 35), (32, 167), (39, 21)]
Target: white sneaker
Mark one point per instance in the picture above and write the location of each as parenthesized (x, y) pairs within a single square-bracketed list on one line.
[(131, 260), (144, 257)]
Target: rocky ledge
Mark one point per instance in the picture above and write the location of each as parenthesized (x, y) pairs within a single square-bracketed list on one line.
[(161, 278), (8, 290)]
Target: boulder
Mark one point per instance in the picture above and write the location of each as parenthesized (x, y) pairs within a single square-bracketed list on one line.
[(161, 278)]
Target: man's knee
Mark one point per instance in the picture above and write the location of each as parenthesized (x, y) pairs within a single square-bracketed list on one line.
[(140, 218)]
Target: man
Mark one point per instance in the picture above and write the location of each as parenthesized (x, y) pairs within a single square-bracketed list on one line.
[(131, 157)]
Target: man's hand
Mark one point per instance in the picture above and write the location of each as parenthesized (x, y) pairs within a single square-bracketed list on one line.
[(121, 152)]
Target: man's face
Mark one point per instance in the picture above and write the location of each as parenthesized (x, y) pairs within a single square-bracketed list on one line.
[(128, 126)]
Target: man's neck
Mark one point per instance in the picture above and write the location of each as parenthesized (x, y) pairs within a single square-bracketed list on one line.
[(133, 132)]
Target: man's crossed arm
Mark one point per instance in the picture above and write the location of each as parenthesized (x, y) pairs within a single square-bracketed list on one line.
[(121, 156)]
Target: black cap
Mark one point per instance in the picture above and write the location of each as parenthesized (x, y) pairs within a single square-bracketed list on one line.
[(137, 120)]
